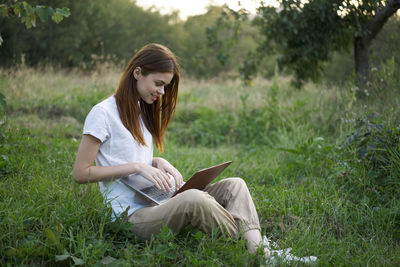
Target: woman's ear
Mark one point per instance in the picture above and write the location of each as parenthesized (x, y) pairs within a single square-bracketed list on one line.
[(137, 72)]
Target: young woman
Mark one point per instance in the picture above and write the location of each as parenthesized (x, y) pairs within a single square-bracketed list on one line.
[(119, 133)]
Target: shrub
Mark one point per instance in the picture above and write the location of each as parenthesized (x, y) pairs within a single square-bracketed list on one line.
[(3, 156), (247, 125), (374, 152)]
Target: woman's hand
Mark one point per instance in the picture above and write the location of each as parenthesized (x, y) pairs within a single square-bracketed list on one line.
[(86, 172), (159, 177), (167, 167)]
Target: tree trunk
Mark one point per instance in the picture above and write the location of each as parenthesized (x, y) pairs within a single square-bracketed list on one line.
[(361, 61), (362, 43)]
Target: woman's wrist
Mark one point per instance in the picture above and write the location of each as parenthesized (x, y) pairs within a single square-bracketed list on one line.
[(136, 167), (156, 162)]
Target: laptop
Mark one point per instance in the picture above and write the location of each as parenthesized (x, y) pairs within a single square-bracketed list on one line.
[(199, 180)]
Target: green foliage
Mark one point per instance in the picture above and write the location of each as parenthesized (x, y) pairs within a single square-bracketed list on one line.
[(302, 39), (29, 14), (98, 33), (205, 127), (2, 103), (3, 118), (384, 78), (197, 59), (312, 155), (228, 39), (218, 42), (110, 31), (229, 21), (387, 45), (384, 62), (211, 40), (304, 35), (376, 144), (260, 127), (249, 67), (247, 126), (339, 69)]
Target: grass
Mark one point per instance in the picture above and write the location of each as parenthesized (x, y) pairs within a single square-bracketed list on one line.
[(310, 194)]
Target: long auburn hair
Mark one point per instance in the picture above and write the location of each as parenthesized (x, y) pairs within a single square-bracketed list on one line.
[(156, 117)]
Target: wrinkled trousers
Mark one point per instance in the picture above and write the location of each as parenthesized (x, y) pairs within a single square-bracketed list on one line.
[(225, 206)]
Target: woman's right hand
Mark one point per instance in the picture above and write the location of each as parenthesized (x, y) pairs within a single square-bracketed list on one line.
[(157, 176)]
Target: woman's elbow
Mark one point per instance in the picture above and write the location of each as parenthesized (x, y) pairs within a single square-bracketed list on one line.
[(79, 176), (78, 179)]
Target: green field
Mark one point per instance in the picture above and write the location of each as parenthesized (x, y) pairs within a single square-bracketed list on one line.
[(339, 203)]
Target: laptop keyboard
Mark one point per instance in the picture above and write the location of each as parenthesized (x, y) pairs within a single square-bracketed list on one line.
[(156, 193)]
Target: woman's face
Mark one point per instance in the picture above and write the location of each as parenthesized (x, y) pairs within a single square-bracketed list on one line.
[(151, 87)]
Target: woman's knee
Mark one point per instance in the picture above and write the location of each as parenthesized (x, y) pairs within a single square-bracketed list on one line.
[(236, 182), (194, 197)]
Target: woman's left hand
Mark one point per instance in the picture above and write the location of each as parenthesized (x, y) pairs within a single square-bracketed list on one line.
[(167, 167)]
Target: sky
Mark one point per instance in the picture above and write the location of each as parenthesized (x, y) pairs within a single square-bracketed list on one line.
[(195, 7)]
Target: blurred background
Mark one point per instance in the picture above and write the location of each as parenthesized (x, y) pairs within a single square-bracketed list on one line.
[(210, 38)]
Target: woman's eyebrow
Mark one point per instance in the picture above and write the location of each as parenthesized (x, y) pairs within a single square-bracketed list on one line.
[(161, 81)]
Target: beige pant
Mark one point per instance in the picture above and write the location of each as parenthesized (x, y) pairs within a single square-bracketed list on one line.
[(225, 205)]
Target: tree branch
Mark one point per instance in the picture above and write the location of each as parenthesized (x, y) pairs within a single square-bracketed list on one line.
[(358, 25), (375, 25)]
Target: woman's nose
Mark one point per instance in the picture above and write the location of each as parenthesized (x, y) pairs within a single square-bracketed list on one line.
[(160, 90)]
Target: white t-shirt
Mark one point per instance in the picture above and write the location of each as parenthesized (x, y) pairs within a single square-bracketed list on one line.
[(117, 147)]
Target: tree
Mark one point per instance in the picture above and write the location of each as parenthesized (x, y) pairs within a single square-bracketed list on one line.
[(29, 14), (305, 33), (96, 32), (211, 38)]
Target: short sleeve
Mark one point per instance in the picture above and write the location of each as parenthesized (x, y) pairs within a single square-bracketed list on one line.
[(96, 124)]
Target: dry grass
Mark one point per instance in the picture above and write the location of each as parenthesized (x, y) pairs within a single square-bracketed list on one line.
[(27, 83), (222, 94)]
